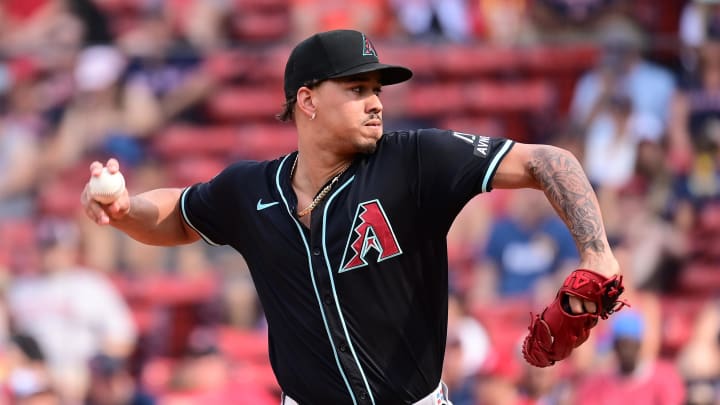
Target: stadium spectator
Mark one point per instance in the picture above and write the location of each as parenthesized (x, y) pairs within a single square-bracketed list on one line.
[(72, 312), (20, 130), (635, 379), (112, 384), (695, 112), (471, 348), (204, 375), (26, 370), (309, 16), (611, 141), (655, 249), (527, 244), (699, 360), (623, 67), (444, 20)]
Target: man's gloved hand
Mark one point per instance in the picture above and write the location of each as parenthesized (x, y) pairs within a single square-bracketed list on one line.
[(557, 331)]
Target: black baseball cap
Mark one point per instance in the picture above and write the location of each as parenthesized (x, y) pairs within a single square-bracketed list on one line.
[(335, 54)]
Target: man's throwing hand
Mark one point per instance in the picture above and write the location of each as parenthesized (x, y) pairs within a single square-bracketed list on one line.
[(105, 195)]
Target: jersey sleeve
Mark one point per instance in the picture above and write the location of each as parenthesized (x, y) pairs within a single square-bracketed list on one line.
[(452, 168), (207, 207), (458, 165)]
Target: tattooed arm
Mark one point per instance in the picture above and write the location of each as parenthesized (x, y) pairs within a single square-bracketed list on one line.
[(560, 176)]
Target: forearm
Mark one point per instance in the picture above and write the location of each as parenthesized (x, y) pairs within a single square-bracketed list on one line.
[(559, 174), (154, 218)]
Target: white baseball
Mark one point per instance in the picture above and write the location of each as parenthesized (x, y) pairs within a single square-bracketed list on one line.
[(106, 187)]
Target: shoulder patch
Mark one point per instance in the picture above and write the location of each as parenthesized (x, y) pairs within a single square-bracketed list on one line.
[(480, 144)]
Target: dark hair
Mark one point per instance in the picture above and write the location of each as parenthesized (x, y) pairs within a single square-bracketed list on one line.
[(29, 347), (288, 112)]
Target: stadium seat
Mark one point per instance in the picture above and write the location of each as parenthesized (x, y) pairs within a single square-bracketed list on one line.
[(187, 140), (700, 279), (476, 61), (435, 99), (572, 59), (266, 141), (497, 96), (257, 26), (237, 104), (186, 171), (246, 5), (226, 65), (420, 58), (243, 345), (475, 125), (678, 318), (506, 321)]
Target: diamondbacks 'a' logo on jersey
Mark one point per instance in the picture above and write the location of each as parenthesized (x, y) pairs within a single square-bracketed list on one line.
[(368, 48), (371, 236), (481, 144)]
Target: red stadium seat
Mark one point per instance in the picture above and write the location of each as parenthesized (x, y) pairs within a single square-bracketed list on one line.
[(246, 5), (700, 279), (261, 25), (229, 64), (435, 99), (187, 140), (474, 125), (571, 59), (506, 321), (420, 58), (266, 141), (678, 318), (243, 345), (235, 104), (156, 374), (186, 171), (476, 61)]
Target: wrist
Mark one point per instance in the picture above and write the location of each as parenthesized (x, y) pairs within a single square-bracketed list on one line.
[(606, 265)]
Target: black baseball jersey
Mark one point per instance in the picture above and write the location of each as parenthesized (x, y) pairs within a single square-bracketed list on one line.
[(356, 305)]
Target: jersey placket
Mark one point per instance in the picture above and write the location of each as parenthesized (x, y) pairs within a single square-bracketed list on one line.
[(325, 275), (348, 368)]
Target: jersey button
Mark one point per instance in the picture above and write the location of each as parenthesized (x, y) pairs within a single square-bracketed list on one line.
[(343, 347), (316, 251), (363, 395), (328, 299)]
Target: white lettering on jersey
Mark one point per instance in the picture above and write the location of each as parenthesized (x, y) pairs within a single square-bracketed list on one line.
[(481, 144)]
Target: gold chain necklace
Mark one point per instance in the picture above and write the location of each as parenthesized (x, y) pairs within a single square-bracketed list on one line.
[(321, 195)]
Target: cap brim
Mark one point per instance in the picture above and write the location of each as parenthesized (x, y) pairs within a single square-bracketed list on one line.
[(389, 74)]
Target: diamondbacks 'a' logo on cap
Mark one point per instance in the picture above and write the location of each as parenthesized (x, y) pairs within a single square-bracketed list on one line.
[(368, 48)]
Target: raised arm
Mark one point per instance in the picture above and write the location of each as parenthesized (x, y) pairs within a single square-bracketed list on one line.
[(152, 217)]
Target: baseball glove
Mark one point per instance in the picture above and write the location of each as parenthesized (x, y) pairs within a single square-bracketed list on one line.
[(557, 331)]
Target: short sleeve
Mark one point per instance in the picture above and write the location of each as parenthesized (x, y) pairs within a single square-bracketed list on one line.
[(458, 165), (211, 207)]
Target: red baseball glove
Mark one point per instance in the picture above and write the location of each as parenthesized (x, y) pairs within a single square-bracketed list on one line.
[(557, 331)]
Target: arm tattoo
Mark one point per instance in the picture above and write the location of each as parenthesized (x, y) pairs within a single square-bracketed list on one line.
[(566, 186)]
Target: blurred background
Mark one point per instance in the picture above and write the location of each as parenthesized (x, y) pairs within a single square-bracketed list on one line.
[(177, 89)]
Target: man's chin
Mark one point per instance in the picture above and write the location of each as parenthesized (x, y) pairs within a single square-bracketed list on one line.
[(369, 145), (368, 149)]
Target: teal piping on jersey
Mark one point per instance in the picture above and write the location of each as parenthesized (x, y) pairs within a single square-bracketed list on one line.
[(312, 278), (494, 163), (332, 283), (187, 220)]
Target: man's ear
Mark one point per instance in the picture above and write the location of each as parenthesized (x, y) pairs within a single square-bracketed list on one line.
[(306, 101)]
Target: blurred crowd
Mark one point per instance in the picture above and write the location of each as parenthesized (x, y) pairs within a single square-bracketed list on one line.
[(176, 89)]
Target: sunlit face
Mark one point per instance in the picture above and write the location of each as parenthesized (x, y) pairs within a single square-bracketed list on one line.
[(350, 112)]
